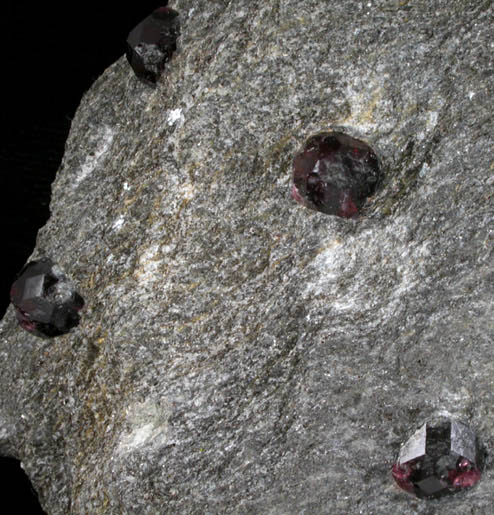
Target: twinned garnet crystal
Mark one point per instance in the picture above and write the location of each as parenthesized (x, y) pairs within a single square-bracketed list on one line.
[(45, 301), (442, 457), (151, 44), (335, 174)]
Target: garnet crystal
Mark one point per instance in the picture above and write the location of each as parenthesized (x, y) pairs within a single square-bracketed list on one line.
[(151, 44), (440, 458), (334, 173), (45, 301)]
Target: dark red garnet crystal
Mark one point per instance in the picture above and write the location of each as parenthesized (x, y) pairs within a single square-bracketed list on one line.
[(334, 173), (45, 301), (440, 458), (151, 44)]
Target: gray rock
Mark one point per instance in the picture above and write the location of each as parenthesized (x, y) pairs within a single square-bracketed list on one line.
[(239, 353)]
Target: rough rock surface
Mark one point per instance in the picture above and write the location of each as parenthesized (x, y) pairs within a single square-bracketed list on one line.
[(239, 353)]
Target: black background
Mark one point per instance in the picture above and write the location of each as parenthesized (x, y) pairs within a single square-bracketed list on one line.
[(50, 56)]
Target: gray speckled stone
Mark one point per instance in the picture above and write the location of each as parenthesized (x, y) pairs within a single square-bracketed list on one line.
[(239, 353)]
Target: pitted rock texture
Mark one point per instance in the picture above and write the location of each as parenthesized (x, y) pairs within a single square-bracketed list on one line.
[(239, 353)]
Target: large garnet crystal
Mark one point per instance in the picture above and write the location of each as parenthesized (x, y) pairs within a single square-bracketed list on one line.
[(334, 173), (45, 301), (151, 44), (440, 458)]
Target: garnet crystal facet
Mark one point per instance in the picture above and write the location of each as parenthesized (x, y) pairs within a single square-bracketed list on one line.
[(334, 173), (151, 44), (45, 301), (440, 458)]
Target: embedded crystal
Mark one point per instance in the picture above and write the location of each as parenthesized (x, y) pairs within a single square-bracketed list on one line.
[(334, 173), (442, 457), (151, 44), (45, 301)]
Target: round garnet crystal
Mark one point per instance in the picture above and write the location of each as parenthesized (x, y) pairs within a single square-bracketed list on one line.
[(151, 44), (440, 458), (334, 173), (45, 301)]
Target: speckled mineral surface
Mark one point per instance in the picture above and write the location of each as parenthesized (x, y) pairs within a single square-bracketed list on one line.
[(238, 353)]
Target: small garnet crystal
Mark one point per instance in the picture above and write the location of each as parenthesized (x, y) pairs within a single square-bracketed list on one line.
[(440, 458), (45, 301), (334, 173), (151, 44)]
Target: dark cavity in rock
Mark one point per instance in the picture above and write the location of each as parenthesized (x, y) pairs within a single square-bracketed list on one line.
[(440, 458), (151, 44), (335, 174), (45, 301)]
